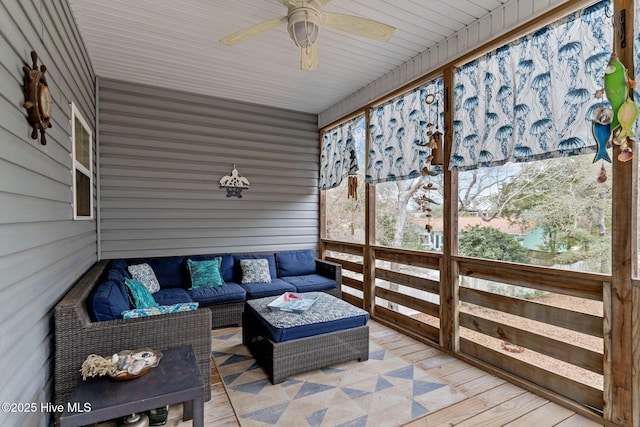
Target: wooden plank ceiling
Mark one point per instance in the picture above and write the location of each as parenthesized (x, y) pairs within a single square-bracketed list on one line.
[(174, 44)]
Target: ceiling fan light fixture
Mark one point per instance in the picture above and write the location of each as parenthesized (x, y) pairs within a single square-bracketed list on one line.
[(304, 26)]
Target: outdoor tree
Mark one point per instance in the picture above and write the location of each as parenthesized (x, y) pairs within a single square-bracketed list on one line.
[(345, 216), (564, 198), (560, 196), (490, 243), (392, 210)]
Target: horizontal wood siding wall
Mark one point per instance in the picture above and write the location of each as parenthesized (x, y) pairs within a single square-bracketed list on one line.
[(510, 15), (43, 250), (162, 155)]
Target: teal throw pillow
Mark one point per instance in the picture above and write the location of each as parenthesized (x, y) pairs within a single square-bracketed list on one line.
[(142, 298), (205, 274), (255, 271)]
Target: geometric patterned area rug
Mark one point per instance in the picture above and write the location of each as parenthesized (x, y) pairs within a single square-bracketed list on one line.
[(382, 391)]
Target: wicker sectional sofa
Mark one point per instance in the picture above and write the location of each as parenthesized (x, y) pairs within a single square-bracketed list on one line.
[(77, 336), (87, 320)]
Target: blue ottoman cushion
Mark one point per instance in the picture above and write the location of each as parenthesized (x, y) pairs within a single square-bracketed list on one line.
[(327, 314), (231, 292)]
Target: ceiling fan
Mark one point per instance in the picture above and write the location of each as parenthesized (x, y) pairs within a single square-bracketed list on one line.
[(304, 19)]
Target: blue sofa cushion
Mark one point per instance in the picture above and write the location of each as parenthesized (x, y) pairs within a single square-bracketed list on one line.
[(259, 290), (295, 263), (118, 275), (237, 277), (232, 292), (170, 271), (120, 264), (108, 301), (226, 266), (310, 282), (170, 296)]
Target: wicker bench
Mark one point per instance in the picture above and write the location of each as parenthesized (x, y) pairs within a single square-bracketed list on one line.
[(285, 358), (76, 336)]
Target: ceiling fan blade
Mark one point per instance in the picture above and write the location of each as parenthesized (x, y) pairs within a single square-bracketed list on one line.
[(317, 4), (309, 57), (289, 3), (358, 26), (253, 31)]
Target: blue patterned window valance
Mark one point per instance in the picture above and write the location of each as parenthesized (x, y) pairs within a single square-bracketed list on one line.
[(533, 98), (398, 134), (338, 143)]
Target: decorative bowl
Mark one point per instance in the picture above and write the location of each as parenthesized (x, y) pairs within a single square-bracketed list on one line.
[(135, 363)]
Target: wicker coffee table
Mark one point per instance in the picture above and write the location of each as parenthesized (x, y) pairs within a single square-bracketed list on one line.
[(331, 331)]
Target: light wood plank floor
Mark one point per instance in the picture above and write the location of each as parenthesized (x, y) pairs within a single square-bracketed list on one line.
[(491, 401)]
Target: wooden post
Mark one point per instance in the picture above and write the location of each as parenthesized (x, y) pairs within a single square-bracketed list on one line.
[(621, 342), (368, 256), (635, 349), (323, 224), (449, 274), (322, 199)]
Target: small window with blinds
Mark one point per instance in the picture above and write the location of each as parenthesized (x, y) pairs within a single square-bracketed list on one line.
[(82, 150)]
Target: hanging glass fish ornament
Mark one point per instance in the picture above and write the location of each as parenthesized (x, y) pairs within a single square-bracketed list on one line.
[(627, 116), (616, 87), (602, 134)]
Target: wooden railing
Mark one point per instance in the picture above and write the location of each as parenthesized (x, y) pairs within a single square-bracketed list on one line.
[(576, 284), (399, 273), (350, 255)]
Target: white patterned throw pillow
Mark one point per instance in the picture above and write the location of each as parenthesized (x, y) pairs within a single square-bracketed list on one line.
[(144, 273), (255, 271)]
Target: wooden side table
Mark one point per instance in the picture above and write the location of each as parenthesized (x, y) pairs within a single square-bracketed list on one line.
[(176, 379)]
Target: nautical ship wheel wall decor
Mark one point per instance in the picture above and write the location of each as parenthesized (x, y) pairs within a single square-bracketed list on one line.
[(38, 98)]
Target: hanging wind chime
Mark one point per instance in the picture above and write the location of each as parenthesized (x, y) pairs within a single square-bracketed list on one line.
[(436, 158), (353, 176), (424, 203), (615, 124)]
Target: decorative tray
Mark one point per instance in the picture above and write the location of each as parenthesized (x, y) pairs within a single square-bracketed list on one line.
[(293, 302)]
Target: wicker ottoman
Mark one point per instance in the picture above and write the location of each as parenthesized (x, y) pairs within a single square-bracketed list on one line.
[(331, 331)]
